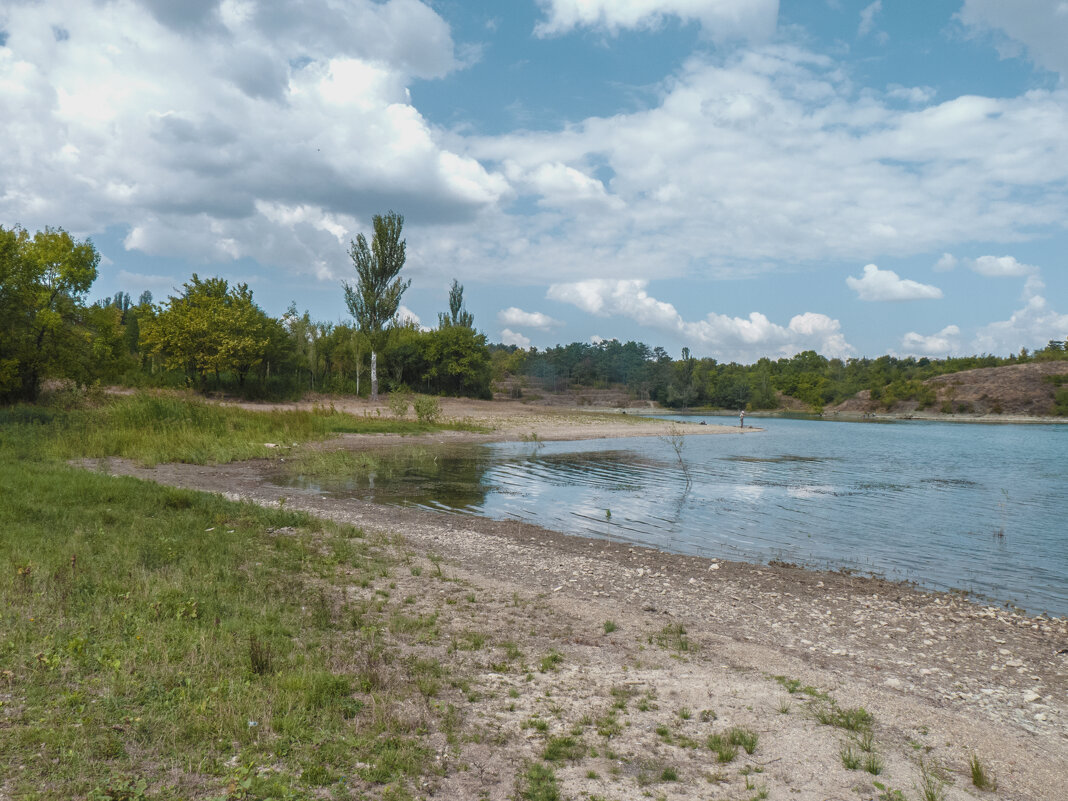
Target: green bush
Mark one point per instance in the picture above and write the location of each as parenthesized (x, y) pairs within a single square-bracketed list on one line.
[(427, 409)]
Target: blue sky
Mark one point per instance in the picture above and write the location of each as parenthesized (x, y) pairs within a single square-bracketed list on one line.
[(742, 177)]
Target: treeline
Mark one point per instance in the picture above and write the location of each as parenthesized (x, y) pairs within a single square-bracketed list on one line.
[(816, 381), (210, 336)]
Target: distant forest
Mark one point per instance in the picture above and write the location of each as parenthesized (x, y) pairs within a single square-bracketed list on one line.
[(213, 337)]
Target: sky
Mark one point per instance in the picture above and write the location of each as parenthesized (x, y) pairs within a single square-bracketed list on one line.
[(744, 178)]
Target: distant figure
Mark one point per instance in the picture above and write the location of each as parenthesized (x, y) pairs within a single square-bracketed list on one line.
[(741, 419)]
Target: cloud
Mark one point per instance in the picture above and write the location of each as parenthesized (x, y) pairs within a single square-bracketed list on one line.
[(509, 337), (945, 263), (879, 284), (1001, 266), (719, 19), (806, 168), (722, 336), (911, 94), (1029, 327), (406, 316), (1037, 27), (513, 316), (945, 343), (221, 130), (867, 18)]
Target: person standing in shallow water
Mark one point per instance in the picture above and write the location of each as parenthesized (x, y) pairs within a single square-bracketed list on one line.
[(741, 419)]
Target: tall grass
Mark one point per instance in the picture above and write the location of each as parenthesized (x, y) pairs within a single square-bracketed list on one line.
[(155, 428), (165, 638)]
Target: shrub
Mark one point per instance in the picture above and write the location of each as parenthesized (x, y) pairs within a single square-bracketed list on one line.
[(398, 403), (427, 409)]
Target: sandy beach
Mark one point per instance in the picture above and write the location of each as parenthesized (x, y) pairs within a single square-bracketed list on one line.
[(656, 653)]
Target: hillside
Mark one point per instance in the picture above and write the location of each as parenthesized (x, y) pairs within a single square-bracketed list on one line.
[(1018, 389)]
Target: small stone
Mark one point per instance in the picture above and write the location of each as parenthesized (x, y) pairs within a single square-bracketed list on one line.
[(893, 683), (713, 567)]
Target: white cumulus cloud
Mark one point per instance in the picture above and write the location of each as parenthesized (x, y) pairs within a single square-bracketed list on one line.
[(720, 19), (945, 263), (1029, 327), (1037, 27), (725, 337), (510, 337), (514, 316), (226, 130), (1001, 267), (878, 284), (945, 343)]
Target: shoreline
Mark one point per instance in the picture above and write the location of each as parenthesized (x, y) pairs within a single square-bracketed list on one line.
[(943, 676)]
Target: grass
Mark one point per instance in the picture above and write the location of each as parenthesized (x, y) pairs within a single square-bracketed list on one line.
[(564, 748), (153, 428), (932, 787), (165, 643), (850, 758), (981, 776), (856, 719), (538, 783), (673, 638)]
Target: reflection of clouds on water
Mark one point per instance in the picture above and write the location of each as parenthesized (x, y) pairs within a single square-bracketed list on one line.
[(811, 491), (916, 501), (748, 492)]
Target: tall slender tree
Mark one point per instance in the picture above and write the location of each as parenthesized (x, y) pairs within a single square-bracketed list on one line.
[(375, 298), (457, 314)]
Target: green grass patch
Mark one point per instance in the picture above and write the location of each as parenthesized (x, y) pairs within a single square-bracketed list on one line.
[(153, 428), (154, 637)]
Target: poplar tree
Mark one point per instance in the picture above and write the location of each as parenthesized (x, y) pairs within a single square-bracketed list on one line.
[(375, 298)]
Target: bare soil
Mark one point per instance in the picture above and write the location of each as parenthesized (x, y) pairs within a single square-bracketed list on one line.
[(695, 651), (1014, 393)]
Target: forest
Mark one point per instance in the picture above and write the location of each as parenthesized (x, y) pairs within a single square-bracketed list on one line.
[(213, 337)]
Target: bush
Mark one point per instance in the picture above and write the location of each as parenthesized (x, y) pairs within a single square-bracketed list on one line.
[(427, 409), (398, 403)]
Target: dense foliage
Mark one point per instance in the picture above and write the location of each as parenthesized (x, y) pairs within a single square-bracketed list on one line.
[(212, 336), (812, 379)]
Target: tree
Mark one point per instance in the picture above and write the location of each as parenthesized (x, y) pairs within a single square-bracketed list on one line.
[(43, 281), (374, 300), (211, 328), (457, 314)]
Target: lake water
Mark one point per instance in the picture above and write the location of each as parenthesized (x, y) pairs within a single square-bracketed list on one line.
[(981, 508)]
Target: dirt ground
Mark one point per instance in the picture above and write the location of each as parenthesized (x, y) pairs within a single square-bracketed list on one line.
[(698, 647)]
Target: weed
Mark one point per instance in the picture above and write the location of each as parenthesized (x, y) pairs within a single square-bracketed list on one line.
[(551, 661), (746, 738), (866, 741), (932, 787), (609, 626), (673, 638), (725, 750), (873, 764), (685, 713), (538, 783), (981, 777), (707, 715), (261, 659), (784, 705), (888, 793), (669, 774), (559, 749), (851, 719)]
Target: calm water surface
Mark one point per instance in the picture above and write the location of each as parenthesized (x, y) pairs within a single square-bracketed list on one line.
[(949, 506)]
